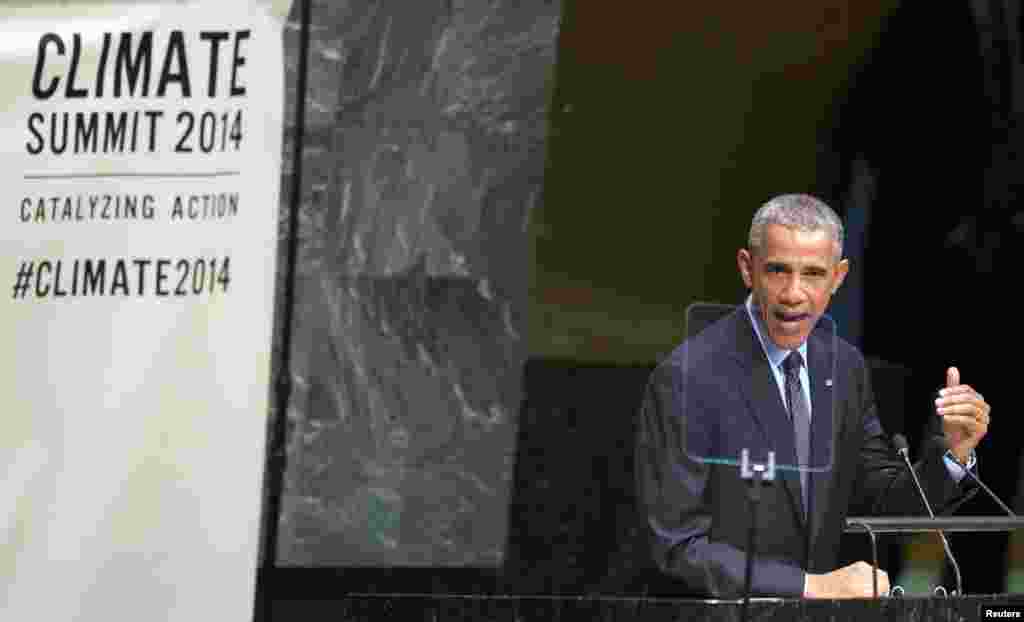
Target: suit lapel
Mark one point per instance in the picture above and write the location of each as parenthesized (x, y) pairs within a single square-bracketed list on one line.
[(821, 354), (768, 410)]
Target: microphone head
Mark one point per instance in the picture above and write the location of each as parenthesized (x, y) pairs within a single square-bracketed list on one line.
[(900, 442)]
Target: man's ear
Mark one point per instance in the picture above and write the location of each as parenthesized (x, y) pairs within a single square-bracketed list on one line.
[(745, 262), (842, 269)]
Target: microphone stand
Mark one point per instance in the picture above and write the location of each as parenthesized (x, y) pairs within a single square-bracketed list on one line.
[(903, 450), (756, 474), (874, 551), (987, 490)]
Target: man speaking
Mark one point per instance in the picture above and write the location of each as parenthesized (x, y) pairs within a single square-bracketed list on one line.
[(765, 377)]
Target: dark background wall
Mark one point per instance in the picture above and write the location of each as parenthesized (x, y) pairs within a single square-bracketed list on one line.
[(506, 209), (672, 123)]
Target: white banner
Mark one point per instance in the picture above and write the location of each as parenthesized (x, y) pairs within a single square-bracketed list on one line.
[(140, 182)]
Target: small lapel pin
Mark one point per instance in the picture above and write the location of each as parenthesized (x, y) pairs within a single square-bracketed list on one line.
[(828, 382)]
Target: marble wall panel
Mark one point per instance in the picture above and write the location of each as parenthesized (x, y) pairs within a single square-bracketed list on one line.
[(423, 158)]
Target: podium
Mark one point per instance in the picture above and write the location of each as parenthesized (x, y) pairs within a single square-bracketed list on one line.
[(342, 603), (462, 608), (873, 526), (915, 524)]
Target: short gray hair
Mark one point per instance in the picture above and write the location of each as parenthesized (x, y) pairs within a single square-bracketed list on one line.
[(796, 211)]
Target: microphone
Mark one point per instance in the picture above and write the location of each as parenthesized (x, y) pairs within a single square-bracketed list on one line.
[(977, 481), (988, 490), (903, 449)]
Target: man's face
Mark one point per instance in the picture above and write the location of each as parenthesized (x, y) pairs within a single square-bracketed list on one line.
[(792, 278)]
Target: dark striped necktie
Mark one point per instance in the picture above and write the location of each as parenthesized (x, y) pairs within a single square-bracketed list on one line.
[(800, 415)]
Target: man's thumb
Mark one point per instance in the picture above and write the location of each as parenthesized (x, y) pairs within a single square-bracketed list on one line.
[(952, 377)]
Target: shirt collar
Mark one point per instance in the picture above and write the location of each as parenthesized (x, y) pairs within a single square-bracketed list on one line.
[(774, 353)]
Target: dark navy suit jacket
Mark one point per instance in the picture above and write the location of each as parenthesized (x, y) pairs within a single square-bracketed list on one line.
[(715, 395)]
